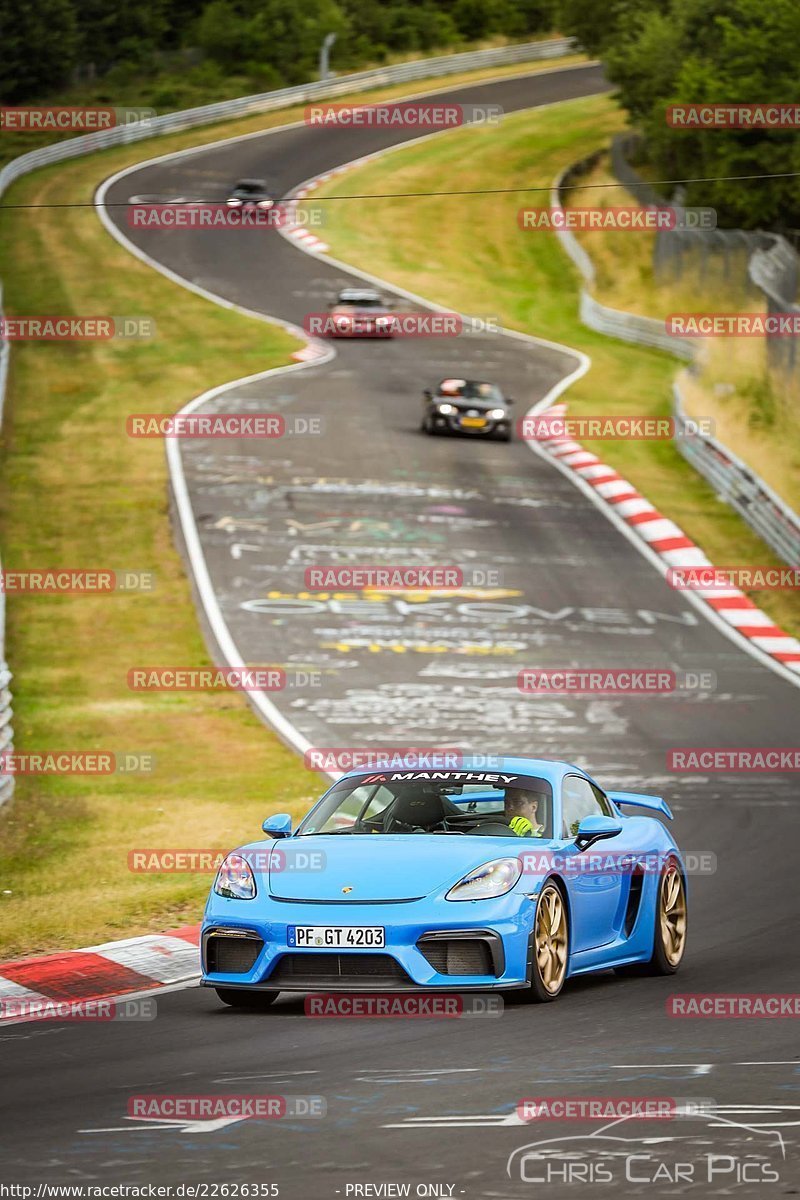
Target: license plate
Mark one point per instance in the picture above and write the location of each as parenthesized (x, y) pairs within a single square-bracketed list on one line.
[(334, 937), (473, 422)]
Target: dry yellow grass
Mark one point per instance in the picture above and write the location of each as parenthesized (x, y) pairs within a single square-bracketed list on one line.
[(753, 411)]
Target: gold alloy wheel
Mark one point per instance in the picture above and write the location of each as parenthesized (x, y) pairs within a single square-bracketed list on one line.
[(672, 915), (551, 939)]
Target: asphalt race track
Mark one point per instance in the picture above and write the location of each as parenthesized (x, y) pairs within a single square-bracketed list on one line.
[(432, 1102)]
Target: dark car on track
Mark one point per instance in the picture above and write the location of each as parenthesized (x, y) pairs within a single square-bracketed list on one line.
[(361, 312), (251, 193), (467, 406)]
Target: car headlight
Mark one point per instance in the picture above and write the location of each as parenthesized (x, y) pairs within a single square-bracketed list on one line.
[(233, 203), (497, 414), (265, 203), (446, 409), (487, 881), (235, 879)]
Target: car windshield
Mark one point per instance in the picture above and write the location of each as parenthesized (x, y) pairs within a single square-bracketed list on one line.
[(448, 802), (250, 185), (362, 301), (470, 390)]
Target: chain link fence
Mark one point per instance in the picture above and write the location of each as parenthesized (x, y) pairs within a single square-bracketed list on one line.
[(614, 322), (741, 265)]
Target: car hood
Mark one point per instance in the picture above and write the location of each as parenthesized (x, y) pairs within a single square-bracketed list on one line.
[(382, 866)]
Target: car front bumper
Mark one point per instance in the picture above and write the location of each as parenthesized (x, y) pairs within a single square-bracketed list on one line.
[(495, 935), (453, 424)]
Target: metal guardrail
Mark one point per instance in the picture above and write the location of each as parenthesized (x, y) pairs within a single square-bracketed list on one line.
[(740, 487), (774, 270), (304, 93), (631, 327), (614, 322), (427, 68), (732, 479)]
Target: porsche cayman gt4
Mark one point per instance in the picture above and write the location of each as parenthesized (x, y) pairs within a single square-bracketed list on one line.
[(514, 877)]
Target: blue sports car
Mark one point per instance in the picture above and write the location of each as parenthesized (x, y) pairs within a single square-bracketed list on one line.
[(514, 877)]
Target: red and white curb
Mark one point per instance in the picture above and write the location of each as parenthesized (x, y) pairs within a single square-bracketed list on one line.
[(298, 232), (311, 243), (113, 969), (672, 545)]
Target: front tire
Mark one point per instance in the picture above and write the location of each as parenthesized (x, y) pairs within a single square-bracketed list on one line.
[(240, 998), (550, 947), (669, 943), (671, 922)]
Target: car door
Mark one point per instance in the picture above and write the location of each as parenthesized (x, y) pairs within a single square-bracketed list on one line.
[(597, 884)]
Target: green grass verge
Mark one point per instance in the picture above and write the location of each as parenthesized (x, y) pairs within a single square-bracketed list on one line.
[(79, 493), (468, 253)]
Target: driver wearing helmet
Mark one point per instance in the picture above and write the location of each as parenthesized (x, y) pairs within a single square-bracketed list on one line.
[(521, 810)]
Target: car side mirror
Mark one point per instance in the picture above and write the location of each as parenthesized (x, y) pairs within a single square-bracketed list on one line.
[(280, 826), (596, 828), (510, 400), (428, 394)]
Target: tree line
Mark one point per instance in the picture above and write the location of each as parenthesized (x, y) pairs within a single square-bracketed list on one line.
[(658, 53), (48, 45), (661, 53)]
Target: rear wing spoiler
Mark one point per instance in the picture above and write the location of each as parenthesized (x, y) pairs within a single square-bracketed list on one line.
[(636, 800)]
